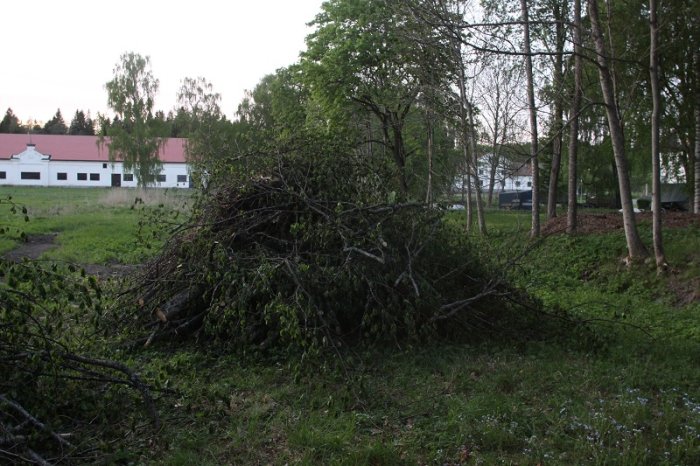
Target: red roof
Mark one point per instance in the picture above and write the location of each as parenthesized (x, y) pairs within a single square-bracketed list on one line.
[(79, 148)]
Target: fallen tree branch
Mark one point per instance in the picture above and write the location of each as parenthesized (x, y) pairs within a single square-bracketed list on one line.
[(34, 421), (134, 379)]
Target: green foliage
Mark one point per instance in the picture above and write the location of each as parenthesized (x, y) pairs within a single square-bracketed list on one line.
[(439, 403), (45, 315), (365, 66), (56, 125), (10, 123), (60, 398), (81, 125), (135, 140)]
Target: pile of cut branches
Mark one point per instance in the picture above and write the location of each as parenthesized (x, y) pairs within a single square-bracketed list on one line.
[(54, 390), (311, 252)]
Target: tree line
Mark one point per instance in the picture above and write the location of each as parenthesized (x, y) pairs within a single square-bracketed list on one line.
[(80, 125)]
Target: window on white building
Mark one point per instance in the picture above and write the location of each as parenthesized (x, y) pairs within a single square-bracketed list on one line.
[(160, 178), (30, 175), (3, 175), (529, 184), (82, 176), (517, 184), (94, 177), (182, 178), (128, 177), (61, 176)]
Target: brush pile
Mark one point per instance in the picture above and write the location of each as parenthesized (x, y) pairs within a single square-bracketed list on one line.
[(312, 254)]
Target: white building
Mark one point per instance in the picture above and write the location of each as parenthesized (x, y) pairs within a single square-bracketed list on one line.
[(510, 176), (80, 161)]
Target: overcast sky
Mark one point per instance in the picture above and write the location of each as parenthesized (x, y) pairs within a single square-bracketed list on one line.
[(59, 54)]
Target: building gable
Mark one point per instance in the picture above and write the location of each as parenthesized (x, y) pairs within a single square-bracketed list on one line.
[(31, 155)]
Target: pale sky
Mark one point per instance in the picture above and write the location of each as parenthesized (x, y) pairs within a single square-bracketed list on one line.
[(60, 53)]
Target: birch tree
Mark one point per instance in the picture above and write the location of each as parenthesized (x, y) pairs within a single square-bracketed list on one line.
[(572, 184), (534, 151), (635, 247), (131, 94), (655, 117), (559, 15)]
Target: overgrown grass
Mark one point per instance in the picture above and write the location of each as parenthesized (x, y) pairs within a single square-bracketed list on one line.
[(629, 396), (93, 226), (437, 405)]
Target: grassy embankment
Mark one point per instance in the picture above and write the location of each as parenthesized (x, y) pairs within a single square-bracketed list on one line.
[(627, 393)]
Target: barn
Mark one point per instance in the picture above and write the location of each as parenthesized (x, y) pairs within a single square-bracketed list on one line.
[(80, 161)]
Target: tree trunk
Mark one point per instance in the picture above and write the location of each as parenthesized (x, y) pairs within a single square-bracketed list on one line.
[(696, 196), (399, 154), (571, 220), (469, 206), (494, 146), (429, 189), (534, 164), (635, 247), (558, 113), (495, 161), (480, 219), (469, 145), (655, 116)]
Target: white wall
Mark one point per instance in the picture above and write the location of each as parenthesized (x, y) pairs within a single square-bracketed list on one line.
[(96, 174)]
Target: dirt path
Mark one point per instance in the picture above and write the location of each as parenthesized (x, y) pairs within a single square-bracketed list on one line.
[(36, 245)]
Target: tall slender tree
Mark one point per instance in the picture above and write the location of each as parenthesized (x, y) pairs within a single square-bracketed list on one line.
[(655, 117), (559, 16), (635, 247), (534, 150), (696, 197), (572, 184)]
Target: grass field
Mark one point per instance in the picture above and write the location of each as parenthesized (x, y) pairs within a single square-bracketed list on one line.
[(93, 226), (623, 390)]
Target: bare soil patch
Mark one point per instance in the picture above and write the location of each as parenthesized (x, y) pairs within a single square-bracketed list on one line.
[(36, 245), (612, 221), (32, 248)]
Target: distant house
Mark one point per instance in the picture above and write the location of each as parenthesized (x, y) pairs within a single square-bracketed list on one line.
[(510, 176), (80, 161)]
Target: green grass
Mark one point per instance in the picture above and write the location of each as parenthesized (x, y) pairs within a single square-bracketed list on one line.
[(628, 396), (624, 391), (93, 226), (437, 405)]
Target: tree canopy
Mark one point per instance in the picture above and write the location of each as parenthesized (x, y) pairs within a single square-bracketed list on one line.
[(135, 141), (81, 125), (10, 123), (56, 125)]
